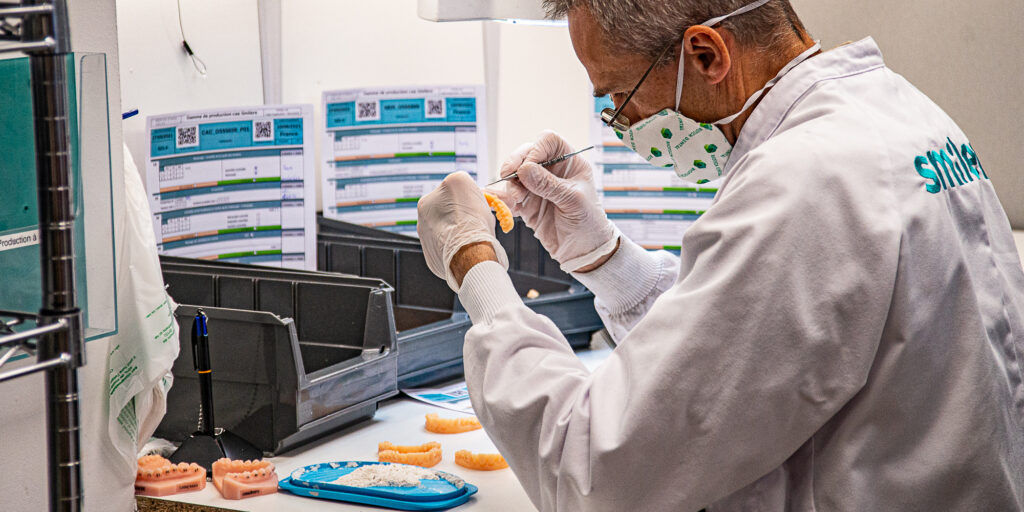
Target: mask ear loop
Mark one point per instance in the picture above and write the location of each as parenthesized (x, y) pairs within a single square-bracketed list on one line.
[(679, 75), (785, 70), (710, 23), (742, 10)]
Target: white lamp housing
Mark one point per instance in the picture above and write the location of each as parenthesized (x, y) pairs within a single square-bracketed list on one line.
[(468, 10)]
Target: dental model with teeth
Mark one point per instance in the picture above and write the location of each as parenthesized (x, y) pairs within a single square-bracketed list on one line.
[(237, 479), (158, 476)]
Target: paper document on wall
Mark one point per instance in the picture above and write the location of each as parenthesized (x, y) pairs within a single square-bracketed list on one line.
[(235, 184), (383, 149), (650, 205)]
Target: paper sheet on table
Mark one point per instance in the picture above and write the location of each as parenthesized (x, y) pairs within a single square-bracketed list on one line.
[(454, 397), (235, 184), (650, 205), (385, 148)]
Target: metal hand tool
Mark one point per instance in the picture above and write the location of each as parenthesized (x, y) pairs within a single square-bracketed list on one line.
[(553, 161)]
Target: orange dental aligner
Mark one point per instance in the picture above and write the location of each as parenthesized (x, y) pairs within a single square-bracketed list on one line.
[(158, 476), (480, 461), (237, 479), (501, 211), (440, 425), (384, 446), (425, 455)]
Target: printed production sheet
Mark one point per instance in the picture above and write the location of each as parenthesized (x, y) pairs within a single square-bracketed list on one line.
[(235, 185), (385, 148), (650, 205), (453, 396)]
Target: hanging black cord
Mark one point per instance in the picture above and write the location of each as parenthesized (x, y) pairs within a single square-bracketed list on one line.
[(196, 61)]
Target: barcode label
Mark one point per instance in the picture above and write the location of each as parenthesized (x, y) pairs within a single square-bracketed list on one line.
[(434, 108), (263, 131), (188, 136), (367, 110)]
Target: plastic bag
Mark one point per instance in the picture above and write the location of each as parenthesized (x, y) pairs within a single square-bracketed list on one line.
[(146, 345)]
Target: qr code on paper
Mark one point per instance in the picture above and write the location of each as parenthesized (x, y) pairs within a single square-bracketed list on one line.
[(435, 108), (367, 111), (262, 131), (188, 136)]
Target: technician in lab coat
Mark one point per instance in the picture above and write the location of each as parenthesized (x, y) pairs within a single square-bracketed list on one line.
[(844, 328)]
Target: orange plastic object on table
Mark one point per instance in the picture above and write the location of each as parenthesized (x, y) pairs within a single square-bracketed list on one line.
[(440, 425), (237, 479), (480, 461), (501, 211), (425, 455), (158, 476)]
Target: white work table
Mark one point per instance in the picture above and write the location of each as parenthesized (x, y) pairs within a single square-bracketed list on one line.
[(400, 421)]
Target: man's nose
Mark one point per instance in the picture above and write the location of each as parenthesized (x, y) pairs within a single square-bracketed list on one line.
[(629, 112)]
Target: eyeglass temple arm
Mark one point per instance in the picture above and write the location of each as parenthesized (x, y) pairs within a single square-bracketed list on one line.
[(618, 111)]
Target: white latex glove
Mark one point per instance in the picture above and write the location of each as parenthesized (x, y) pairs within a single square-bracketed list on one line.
[(451, 217), (559, 203)]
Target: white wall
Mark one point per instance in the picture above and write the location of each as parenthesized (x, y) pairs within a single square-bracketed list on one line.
[(157, 75), (1018, 237), (964, 55), (542, 86), (332, 44), (337, 44)]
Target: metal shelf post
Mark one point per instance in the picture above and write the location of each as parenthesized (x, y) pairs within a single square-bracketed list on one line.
[(59, 337)]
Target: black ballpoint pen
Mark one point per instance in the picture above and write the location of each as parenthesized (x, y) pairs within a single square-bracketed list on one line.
[(201, 361)]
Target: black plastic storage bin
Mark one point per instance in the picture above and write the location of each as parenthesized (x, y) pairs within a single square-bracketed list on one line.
[(432, 324), (295, 354)]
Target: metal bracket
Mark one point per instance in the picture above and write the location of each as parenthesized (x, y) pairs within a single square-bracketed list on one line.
[(24, 341), (14, 18)]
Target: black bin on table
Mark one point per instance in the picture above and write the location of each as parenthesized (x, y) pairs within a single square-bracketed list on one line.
[(431, 323), (295, 354)]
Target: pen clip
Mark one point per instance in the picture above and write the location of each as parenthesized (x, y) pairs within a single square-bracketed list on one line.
[(198, 331)]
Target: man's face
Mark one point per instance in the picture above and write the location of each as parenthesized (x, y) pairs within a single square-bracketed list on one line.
[(615, 73)]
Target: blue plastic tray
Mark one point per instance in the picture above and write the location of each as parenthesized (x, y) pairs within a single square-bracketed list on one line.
[(315, 481)]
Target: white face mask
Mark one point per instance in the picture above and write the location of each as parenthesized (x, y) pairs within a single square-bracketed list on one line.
[(697, 151)]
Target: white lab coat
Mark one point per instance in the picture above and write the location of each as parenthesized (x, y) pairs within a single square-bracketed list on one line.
[(834, 336)]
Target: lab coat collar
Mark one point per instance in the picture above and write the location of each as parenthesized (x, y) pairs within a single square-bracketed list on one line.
[(847, 60)]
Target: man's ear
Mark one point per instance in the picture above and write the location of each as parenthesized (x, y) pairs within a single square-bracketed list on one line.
[(707, 52)]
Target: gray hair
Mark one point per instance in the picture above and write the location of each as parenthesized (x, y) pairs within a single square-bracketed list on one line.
[(646, 27)]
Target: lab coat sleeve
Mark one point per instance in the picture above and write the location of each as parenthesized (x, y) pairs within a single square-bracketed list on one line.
[(627, 285), (770, 330)]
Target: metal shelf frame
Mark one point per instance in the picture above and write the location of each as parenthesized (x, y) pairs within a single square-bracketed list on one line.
[(40, 29)]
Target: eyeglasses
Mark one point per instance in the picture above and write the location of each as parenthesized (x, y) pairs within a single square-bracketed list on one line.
[(613, 117)]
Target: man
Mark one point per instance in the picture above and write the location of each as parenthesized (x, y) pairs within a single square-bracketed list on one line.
[(843, 330)]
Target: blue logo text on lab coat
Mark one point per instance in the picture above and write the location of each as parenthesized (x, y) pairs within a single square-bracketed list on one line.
[(949, 167)]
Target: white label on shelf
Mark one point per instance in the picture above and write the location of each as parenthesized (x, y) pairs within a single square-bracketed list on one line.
[(18, 240)]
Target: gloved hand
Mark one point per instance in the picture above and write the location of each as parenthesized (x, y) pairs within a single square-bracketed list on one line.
[(455, 215), (559, 203)]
